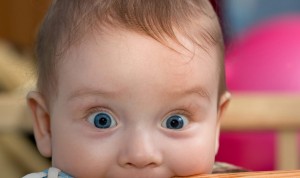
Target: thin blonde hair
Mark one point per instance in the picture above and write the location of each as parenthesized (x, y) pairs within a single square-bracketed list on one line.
[(67, 22)]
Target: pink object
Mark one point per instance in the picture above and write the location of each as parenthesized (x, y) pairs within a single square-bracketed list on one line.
[(250, 150), (267, 59)]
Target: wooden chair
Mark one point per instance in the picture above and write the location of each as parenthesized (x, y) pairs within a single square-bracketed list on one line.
[(278, 112), (18, 156)]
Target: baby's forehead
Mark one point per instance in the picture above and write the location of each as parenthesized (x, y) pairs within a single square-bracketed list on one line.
[(124, 54), (116, 39), (127, 45), (182, 44)]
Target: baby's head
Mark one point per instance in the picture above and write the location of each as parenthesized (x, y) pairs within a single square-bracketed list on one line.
[(129, 88)]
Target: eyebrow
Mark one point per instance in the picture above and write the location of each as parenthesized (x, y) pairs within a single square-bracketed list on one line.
[(90, 92), (198, 90)]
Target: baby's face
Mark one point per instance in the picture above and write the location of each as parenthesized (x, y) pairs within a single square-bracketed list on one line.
[(128, 106)]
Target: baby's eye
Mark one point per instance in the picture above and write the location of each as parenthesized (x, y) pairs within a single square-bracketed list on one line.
[(175, 122), (102, 120)]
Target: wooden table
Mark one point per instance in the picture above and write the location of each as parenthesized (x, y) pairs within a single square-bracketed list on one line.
[(267, 174)]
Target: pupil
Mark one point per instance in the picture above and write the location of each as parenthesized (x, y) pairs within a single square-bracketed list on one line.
[(175, 122), (103, 121)]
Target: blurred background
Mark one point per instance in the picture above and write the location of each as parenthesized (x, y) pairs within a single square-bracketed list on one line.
[(19, 21), (262, 65), (260, 129)]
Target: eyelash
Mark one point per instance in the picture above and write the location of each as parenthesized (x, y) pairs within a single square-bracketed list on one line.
[(97, 109), (183, 112)]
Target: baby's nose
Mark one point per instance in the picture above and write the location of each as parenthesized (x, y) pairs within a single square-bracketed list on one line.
[(140, 160), (140, 151)]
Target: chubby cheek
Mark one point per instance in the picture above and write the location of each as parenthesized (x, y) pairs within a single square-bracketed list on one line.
[(193, 156), (78, 155)]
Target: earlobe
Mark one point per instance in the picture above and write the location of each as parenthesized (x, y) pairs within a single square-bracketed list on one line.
[(224, 101), (41, 122)]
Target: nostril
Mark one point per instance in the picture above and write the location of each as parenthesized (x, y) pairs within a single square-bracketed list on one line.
[(129, 165), (140, 165)]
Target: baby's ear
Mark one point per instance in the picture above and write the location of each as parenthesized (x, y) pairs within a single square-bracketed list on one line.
[(223, 103), (41, 122)]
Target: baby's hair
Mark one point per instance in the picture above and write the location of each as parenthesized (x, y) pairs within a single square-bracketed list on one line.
[(68, 21)]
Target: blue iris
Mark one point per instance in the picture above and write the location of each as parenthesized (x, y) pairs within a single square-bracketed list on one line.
[(102, 120), (175, 122)]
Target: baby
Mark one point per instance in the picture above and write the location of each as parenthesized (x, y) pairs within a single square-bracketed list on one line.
[(129, 88)]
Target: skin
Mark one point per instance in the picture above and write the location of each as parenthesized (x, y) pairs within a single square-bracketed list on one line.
[(140, 83)]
